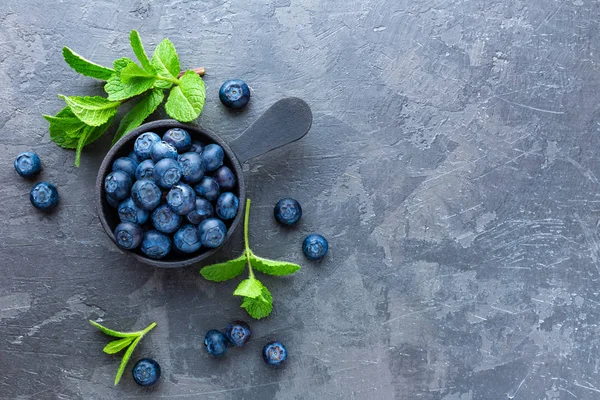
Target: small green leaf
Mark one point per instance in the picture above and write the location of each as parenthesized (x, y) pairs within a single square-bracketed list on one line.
[(94, 110), (272, 267), (166, 62), (224, 271), (261, 306), (186, 100), (142, 110), (138, 50), (86, 67), (125, 359), (249, 288), (113, 333), (117, 90), (117, 345), (132, 72)]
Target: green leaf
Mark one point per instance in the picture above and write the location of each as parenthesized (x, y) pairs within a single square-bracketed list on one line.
[(117, 345), (142, 110), (117, 90), (224, 271), (94, 110), (113, 333), (272, 267), (249, 288), (261, 306), (166, 62), (125, 359), (138, 50), (132, 72), (86, 67), (186, 100)]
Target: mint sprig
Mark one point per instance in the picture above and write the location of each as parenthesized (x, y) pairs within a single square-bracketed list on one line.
[(128, 340), (85, 119), (257, 300)]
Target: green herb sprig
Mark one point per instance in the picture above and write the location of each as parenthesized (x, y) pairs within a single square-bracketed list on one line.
[(128, 340), (85, 119), (257, 300)]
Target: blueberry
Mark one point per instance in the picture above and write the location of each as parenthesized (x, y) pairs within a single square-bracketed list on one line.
[(208, 188), (234, 93), (197, 147), (162, 150), (145, 194), (274, 353), (28, 164), (167, 173), (165, 220), (129, 212), (117, 184), (192, 167), (44, 196), (179, 138), (144, 170), (287, 211), (144, 143), (212, 232), (128, 235), (213, 156), (125, 164), (216, 343), (155, 244), (134, 156), (114, 203), (182, 199), (238, 333), (186, 239), (315, 247), (225, 178), (227, 205), (146, 372), (202, 211)]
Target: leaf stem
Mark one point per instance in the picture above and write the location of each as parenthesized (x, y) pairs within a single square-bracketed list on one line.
[(200, 71), (168, 79), (247, 252)]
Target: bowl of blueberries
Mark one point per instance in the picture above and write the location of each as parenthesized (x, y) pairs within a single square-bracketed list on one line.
[(173, 194)]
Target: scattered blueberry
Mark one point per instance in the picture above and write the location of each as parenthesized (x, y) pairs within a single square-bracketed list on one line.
[(274, 353), (28, 164), (234, 93), (163, 150), (287, 211), (182, 199), (144, 170), (144, 143), (216, 343), (117, 184), (165, 220), (125, 164), (179, 138), (192, 167), (187, 239), (202, 211), (167, 173), (146, 372), (315, 247), (225, 178), (114, 203), (155, 244), (197, 147), (129, 212), (134, 156), (44, 196), (238, 333), (213, 156), (128, 235), (227, 205), (208, 188), (145, 194), (212, 232)]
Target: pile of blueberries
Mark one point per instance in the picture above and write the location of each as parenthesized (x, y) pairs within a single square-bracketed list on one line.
[(43, 195), (171, 192)]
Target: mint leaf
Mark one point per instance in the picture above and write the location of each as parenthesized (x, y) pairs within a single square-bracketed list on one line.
[(117, 90), (125, 360), (133, 71), (224, 271), (142, 110), (88, 135), (261, 306), (186, 100), (138, 50), (166, 62), (249, 288), (272, 267), (117, 345), (113, 333), (94, 110), (86, 67)]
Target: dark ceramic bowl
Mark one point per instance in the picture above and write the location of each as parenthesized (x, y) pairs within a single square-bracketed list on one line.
[(286, 121)]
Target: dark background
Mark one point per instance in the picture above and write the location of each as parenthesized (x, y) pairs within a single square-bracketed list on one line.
[(452, 164)]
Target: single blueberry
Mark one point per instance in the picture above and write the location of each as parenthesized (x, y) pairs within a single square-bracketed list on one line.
[(208, 188), (125, 164), (117, 184), (165, 220), (44, 196), (274, 353), (28, 164), (227, 205), (287, 211), (146, 372), (114, 203), (202, 211), (167, 173), (315, 247), (238, 333), (145, 194), (225, 178), (163, 150), (186, 239), (134, 156), (212, 232), (179, 138), (144, 170), (128, 235), (129, 212), (213, 156), (197, 147), (144, 143), (216, 343), (234, 93), (182, 199), (155, 244), (192, 167)]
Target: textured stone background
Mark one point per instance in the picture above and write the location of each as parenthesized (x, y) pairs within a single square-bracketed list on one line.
[(453, 165)]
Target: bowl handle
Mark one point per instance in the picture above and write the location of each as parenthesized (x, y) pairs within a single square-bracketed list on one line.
[(284, 122)]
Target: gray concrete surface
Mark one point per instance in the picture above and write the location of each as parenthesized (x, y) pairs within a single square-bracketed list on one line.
[(453, 165)]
